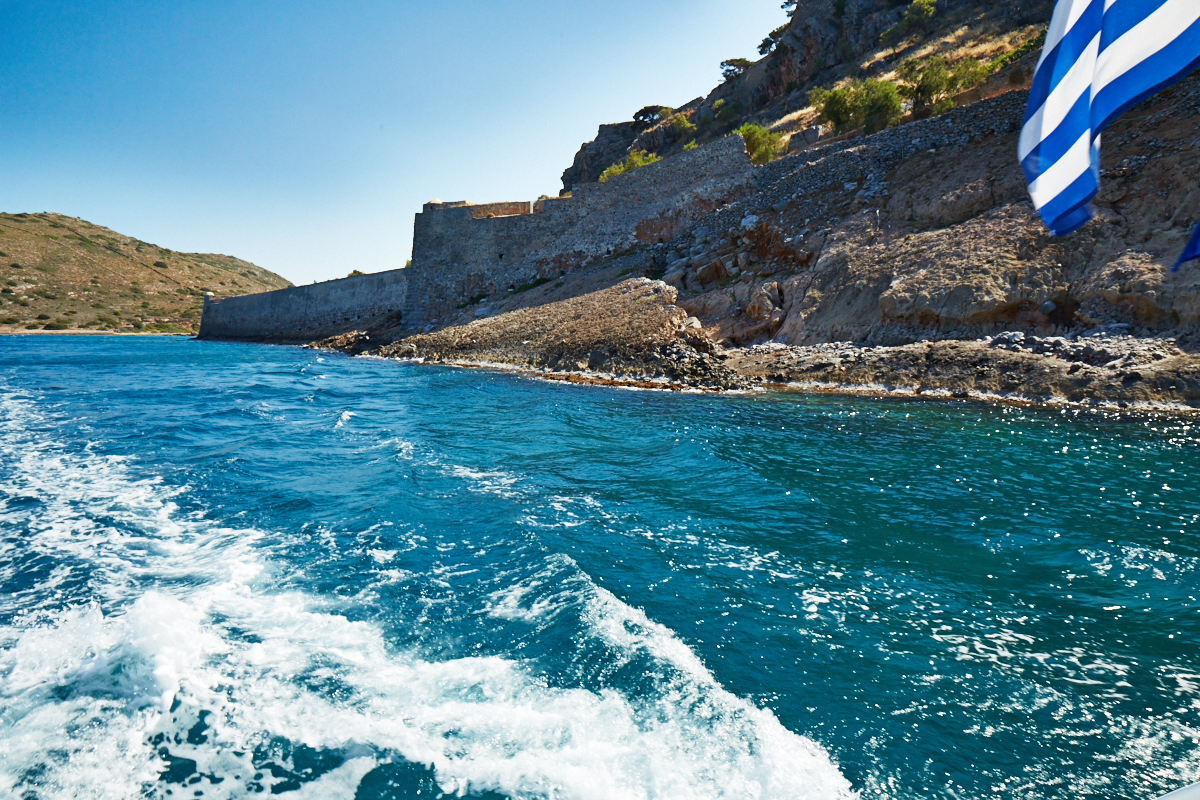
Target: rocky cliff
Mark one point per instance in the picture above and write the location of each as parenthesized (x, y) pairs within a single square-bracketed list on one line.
[(910, 260), (823, 43), (926, 231), (825, 40)]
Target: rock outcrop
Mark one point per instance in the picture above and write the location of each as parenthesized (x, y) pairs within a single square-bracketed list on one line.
[(926, 232), (611, 145), (1101, 370), (632, 332)]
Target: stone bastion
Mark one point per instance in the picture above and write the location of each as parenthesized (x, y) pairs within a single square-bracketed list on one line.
[(463, 252)]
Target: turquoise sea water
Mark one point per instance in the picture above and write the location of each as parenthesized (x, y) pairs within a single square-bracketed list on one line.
[(229, 570)]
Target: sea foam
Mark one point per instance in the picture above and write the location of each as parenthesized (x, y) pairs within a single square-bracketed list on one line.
[(173, 661)]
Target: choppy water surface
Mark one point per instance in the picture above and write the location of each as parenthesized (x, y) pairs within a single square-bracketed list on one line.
[(228, 570)]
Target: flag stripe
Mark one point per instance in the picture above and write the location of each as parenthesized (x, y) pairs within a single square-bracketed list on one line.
[(1074, 87), (1074, 45), (1064, 172), (1191, 252), (1122, 16), (1101, 57), (1070, 213), (1147, 78), (1153, 34), (1058, 144), (1066, 15)]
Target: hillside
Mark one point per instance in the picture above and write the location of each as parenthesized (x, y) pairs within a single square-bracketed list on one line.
[(882, 252), (832, 44), (61, 274)]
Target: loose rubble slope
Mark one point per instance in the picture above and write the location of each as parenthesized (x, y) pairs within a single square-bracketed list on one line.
[(632, 332)]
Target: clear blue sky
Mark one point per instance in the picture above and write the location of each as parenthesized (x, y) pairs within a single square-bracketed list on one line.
[(304, 136)]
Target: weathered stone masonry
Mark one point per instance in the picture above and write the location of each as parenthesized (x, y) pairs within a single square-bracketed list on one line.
[(305, 313), (462, 251)]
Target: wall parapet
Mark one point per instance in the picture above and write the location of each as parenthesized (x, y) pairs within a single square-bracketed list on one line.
[(305, 313)]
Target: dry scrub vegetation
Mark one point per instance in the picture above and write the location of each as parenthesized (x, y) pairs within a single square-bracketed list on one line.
[(60, 273)]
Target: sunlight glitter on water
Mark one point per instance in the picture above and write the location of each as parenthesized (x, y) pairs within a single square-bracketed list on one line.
[(219, 571)]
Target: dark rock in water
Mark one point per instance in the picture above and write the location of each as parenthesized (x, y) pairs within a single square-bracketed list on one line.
[(354, 343)]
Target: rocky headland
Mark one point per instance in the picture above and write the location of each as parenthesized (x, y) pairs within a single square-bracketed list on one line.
[(908, 261)]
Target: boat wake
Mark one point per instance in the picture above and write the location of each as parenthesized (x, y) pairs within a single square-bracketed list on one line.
[(147, 649)]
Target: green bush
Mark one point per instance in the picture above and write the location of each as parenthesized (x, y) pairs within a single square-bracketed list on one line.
[(1036, 43), (931, 85), (691, 145), (879, 104), (916, 20), (772, 40), (684, 126), (635, 160), (651, 115), (724, 111), (533, 284), (761, 144), (735, 67), (474, 301), (871, 104), (833, 105)]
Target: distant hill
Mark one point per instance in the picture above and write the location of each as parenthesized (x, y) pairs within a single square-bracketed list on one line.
[(60, 273)]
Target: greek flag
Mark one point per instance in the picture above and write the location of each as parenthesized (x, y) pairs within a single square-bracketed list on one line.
[(1101, 58)]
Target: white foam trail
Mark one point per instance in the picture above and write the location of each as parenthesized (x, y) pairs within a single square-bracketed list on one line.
[(190, 654), (487, 482)]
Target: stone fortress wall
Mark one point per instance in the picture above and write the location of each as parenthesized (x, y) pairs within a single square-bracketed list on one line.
[(305, 313), (462, 252)]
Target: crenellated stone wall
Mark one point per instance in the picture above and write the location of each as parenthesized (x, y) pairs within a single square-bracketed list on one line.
[(461, 252)]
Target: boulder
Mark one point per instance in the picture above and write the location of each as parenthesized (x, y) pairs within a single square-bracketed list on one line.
[(764, 302), (711, 273)]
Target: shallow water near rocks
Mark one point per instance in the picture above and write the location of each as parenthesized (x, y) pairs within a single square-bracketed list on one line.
[(229, 570)]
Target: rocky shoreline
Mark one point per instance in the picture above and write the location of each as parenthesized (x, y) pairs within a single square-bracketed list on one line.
[(634, 335), (1101, 371)]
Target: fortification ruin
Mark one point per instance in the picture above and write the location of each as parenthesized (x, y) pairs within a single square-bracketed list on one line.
[(463, 251)]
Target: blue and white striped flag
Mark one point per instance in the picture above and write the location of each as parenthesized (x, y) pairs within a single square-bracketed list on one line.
[(1101, 58)]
